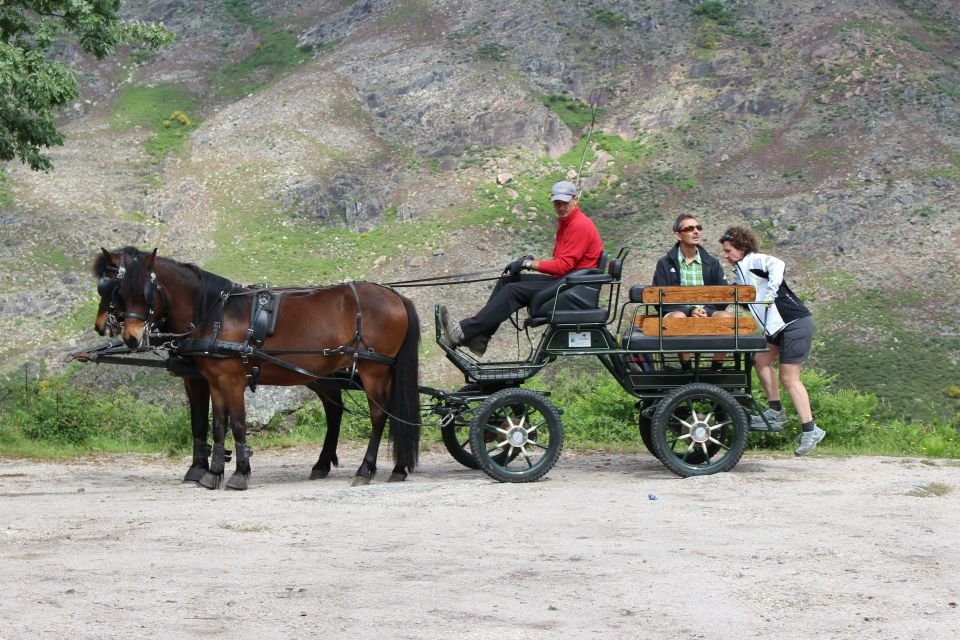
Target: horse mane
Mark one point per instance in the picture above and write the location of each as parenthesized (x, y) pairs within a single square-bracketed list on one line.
[(210, 285)]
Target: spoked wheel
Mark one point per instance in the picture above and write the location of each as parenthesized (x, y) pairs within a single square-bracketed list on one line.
[(456, 435), (516, 436), (456, 438), (699, 429)]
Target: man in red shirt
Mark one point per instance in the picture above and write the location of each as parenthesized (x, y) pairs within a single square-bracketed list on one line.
[(577, 246)]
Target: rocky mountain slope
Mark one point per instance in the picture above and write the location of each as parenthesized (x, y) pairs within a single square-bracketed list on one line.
[(369, 139)]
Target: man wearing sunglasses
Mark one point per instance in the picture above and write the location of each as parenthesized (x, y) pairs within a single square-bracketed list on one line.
[(689, 264)]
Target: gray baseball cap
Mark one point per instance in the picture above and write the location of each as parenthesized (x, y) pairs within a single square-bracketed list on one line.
[(563, 191)]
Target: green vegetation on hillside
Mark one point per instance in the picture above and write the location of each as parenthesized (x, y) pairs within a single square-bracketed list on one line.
[(259, 240), (898, 357), (6, 196), (275, 53), (161, 108), (51, 417), (575, 113)]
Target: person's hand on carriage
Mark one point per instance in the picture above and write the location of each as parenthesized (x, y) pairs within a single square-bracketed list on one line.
[(520, 264)]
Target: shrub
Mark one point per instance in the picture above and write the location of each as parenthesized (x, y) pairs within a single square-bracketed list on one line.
[(51, 411)]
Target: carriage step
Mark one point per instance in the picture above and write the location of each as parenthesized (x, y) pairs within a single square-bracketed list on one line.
[(764, 428)]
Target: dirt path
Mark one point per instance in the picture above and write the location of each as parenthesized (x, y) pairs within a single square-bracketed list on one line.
[(780, 548)]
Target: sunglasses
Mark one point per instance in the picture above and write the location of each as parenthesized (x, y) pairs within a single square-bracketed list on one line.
[(726, 238), (691, 227)]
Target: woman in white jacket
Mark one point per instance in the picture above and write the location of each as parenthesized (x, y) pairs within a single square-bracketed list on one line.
[(787, 325)]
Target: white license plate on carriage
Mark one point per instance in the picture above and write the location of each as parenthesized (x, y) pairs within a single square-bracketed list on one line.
[(578, 339)]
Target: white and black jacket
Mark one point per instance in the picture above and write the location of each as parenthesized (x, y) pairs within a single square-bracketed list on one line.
[(765, 273)]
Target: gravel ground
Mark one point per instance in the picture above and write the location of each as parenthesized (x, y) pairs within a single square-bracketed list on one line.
[(610, 546)]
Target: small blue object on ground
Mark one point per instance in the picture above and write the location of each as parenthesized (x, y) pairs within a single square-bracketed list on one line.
[(652, 496)]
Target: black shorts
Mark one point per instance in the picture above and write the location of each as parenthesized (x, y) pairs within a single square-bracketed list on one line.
[(794, 341)]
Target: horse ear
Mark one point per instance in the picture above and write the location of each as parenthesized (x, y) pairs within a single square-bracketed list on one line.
[(112, 258), (148, 263)]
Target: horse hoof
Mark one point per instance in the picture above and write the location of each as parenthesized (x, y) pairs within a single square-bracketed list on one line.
[(238, 482), (210, 480), (318, 473), (359, 481), (397, 477), (194, 474)]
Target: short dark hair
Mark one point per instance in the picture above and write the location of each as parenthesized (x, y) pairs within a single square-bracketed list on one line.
[(741, 238), (677, 224)]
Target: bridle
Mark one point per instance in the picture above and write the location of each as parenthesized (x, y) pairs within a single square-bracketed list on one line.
[(109, 289)]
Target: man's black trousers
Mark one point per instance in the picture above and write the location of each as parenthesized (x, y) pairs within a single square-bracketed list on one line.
[(507, 297)]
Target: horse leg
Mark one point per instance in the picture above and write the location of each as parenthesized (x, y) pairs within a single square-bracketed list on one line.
[(377, 400), (333, 410), (240, 479), (198, 395), (214, 474)]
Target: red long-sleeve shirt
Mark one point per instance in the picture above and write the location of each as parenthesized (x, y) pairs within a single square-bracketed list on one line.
[(578, 246)]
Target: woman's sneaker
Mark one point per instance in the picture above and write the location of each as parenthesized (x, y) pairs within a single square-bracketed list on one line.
[(809, 440), (773, 417)]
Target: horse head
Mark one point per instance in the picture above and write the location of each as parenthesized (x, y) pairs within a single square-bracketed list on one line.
[(106, 268), (139, 296)]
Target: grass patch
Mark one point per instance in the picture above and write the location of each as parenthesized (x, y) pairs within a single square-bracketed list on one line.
[(50, 417), (58, 417), (258, 240), (6, 195), (951, 171), (611, 20), (904, 367), (491, 51), (716, 11), (142, 106), (275, 54), (917, 43), (574, 113), (932, 490), (162, 109), (52, 259)]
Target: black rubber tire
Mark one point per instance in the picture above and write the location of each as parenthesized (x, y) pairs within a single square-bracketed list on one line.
[(456, 438), (518, 409), (646, 424), (718, 415)]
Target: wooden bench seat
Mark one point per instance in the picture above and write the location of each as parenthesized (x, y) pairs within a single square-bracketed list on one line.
[(655, 325)]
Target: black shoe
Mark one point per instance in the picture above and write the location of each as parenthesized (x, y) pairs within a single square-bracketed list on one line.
[(478, 345)]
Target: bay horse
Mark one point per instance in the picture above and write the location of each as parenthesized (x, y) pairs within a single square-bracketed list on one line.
[(156, 290), (106, 268)]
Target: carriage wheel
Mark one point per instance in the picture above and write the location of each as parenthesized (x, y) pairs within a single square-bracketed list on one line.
[(646, 425), (699, 429), (456, 438), (516, 435)]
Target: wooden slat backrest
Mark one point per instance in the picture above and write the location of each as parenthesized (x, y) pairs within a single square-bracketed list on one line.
[(699, 295)]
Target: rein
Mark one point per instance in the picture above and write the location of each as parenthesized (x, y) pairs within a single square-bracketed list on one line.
[(442, 281)]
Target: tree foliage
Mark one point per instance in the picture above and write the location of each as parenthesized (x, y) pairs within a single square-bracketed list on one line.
[(34, 83)]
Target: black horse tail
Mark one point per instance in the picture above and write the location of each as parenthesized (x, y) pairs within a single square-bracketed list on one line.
[(405, 395)]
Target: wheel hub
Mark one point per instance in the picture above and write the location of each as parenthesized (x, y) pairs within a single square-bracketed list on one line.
[(699, 429), (517, 436)]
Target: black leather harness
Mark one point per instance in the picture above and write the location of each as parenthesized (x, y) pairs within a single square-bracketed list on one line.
[(265, 309)]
